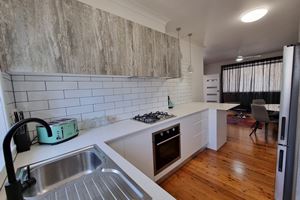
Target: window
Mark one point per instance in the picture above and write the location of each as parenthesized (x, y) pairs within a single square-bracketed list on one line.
[(243, 82), (255, 77)]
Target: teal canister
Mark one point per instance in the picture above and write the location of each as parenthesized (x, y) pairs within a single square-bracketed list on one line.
[(62, 130)]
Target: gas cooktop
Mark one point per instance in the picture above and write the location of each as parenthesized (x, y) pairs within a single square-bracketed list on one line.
[(153, 117)]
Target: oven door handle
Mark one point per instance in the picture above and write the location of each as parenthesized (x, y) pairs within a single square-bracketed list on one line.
[(160, 143)]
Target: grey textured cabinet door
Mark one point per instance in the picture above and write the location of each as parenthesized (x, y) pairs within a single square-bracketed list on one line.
[(143, 38), (69, 36), (173, 58), (159, 55), (167, 56)]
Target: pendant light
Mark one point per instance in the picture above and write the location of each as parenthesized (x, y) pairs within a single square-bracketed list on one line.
[(190, 67), (178, 29)]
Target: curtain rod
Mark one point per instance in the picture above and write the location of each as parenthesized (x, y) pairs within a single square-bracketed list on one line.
[(242, 64)]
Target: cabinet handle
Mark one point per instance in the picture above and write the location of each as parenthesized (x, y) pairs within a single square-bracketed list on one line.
[(160, 143), (282, 135)]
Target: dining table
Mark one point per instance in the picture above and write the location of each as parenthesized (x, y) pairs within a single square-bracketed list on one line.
[(273, 107)]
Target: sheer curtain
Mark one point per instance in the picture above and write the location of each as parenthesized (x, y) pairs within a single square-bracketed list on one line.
[(256, 79)]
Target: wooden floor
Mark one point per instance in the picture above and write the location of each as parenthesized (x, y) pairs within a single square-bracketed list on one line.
[(241, 169)]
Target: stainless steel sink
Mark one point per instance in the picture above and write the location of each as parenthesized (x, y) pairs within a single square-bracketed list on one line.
[(83, 174)]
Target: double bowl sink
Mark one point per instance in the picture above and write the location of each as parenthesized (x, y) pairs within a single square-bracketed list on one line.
[(84, 174)]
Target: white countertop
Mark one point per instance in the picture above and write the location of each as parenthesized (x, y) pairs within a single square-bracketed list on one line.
[(101, 135), (190, 108)]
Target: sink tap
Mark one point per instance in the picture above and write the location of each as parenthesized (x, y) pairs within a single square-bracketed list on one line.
[(14, 188)]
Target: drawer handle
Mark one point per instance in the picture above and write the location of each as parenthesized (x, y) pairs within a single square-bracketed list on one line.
[(160, 143)]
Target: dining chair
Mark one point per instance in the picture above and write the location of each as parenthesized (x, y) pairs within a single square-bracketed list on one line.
[(259, 101), (260, 114)]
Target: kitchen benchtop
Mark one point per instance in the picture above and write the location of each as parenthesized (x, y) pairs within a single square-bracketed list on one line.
[(101, 135)]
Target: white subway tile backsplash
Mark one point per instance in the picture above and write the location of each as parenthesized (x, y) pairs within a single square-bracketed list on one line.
[(102, 92), (77, 78), (78, 117), (130, 96), (125, 116), (145, 95), (89, 85), (104, 106), (138, 90), (91, 100), (32, 105), (63, 103), (101, 79), (157, 83), (130, 84), (112, 84), (152, 100), (146, 106), (163, 99), (139, 101), (61, 85), (18, 77), (113, 98), (87, 97), (45, 95), (49, 114), (21, 96), (79, 109), (118, 79), (20, 86), (77, 93), (144, 84), (122, 90), (43, 78), (131, 109), (156, 94), (114, 112), (92, 115), (120, 104), (152, 89)]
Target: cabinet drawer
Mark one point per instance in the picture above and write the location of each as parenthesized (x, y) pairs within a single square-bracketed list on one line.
[(200, 125), (198, 117)]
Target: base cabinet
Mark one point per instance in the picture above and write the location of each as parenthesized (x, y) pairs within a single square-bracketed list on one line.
[(194, 130), (138, 150)]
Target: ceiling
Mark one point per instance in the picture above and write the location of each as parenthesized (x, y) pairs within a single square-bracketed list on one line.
[(216, 26)]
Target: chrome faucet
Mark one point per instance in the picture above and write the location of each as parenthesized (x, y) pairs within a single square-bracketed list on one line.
[(14, 188)]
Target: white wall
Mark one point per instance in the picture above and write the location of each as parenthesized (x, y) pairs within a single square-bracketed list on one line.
[(197, 65)]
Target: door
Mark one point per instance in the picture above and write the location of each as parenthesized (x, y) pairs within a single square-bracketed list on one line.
[(212, 88)]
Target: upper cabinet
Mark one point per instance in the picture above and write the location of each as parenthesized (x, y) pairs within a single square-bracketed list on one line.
[(72, 37)]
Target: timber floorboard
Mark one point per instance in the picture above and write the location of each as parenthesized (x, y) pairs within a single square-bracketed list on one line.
[(244, 168)]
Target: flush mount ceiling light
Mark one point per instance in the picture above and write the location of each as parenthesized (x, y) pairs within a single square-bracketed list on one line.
[(239, 59), (254, 15), (242, 58)]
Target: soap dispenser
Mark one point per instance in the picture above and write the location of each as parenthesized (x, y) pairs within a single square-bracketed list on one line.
[(170, 103)]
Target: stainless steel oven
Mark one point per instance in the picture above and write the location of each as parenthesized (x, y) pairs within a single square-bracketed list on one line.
[(166, 147)]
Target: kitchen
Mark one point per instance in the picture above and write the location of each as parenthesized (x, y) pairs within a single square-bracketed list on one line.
[(70, 59)]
